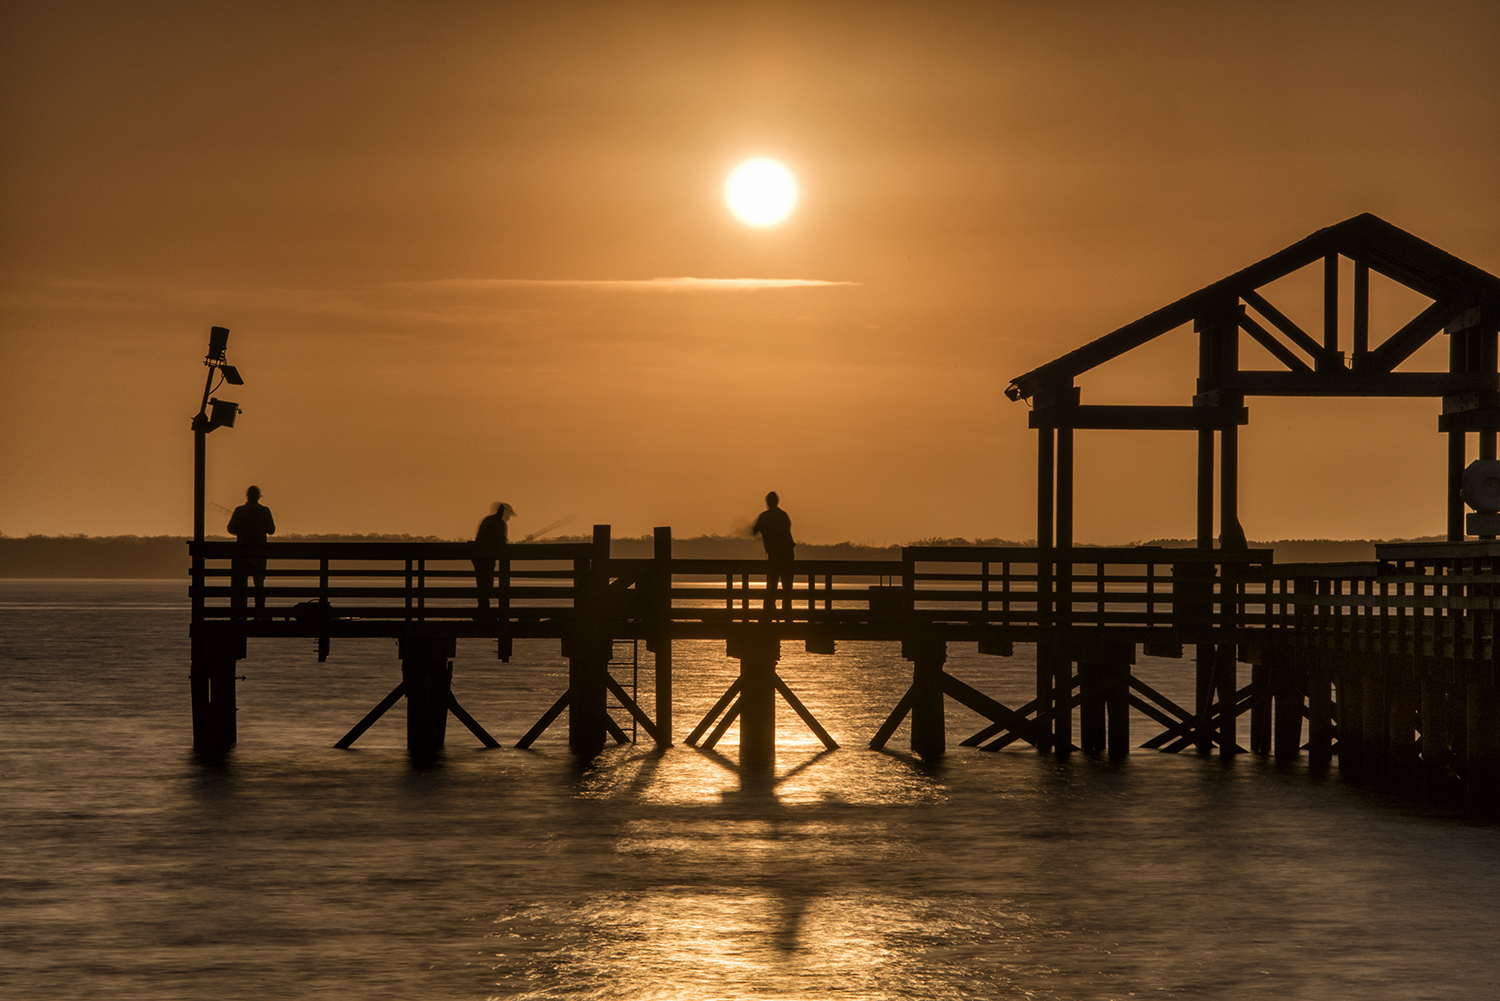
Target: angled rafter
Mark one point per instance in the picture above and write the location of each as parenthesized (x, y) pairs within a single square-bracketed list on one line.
[(1265, 339)]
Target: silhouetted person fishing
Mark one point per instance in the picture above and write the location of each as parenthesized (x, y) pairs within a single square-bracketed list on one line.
[(491, 533), (774, 527), (250, 523)]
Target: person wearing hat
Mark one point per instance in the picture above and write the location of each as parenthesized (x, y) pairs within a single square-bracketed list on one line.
[(491, 534)]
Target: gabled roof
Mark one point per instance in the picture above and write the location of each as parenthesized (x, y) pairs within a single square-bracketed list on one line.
[(1386, 249)]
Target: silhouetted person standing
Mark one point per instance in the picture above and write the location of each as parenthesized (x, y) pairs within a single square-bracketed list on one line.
[(250, 523), (491, 533), (775, 530)]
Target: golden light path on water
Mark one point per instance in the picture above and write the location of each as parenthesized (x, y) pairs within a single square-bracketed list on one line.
[(299, 870)]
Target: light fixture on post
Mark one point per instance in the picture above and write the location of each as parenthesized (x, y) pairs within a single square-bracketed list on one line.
[(212, 413)]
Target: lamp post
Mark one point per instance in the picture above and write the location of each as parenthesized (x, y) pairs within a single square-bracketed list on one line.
[(212, 413), (214, 652)]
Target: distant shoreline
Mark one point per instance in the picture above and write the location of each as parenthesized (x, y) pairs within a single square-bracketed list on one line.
[(164, 557)]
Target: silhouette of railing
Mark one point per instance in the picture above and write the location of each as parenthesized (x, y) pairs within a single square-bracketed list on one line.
[(344, 588)]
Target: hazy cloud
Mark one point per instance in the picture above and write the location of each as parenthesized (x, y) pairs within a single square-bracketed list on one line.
[(683, 284)]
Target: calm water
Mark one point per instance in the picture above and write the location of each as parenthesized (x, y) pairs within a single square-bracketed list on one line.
[(129, 870)]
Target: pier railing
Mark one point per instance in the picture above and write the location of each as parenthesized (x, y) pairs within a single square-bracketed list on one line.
[(992, 594)]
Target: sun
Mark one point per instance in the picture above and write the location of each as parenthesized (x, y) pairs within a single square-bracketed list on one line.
[(761, 192)]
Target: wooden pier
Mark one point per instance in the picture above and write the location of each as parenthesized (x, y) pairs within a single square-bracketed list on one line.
[(1387, 667)]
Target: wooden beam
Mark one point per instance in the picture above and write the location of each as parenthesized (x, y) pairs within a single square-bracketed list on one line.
[(888, 728), (1418, 331), (1264, 338), (1282, 322), (1267, 383), (546, 720), (803, 712), (470, 722), (630, 706), (370, 717), (713, 714), (1138, 418)]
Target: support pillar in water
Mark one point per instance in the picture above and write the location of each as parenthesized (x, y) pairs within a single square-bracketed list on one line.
[(427, 675), (929, 736), (588, 706), (216, 654), (758, 656)]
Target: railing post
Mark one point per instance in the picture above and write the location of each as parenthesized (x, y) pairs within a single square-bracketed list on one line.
[(662, 648)]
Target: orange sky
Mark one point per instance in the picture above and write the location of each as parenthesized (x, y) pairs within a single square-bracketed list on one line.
[(432, 226)]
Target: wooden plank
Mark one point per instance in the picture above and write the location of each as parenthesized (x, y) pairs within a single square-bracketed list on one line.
[(630, 705), (614, 730), (370, 717), (1138, 418), (802, 711), (1393, 384), (723, 727), (713, 714), (547, 719), (470, 722), (1418, 331), (1282, 322), (883, 735), (1264, 338), (989, 708)]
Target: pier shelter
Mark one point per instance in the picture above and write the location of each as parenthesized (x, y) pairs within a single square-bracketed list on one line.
[(1387, 667)]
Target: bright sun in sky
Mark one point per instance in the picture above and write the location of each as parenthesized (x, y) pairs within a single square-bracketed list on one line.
[(761, 192)]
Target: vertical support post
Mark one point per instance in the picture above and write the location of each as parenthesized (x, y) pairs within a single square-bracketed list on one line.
[(1205, 489), (928, 731), (1405, 763), (1330, 309), (1361, 314), (1375, 732), (1260, 708), (1320, 710), (1204, 656), (589, 652), (1226, 681), (1457, 446), (1062, 596), (1458, 361), (1045, 653), (759, 653), (1091, 715), (1117, 705), (1482, 768), (1062, 695), (1287, 693), (1437, 735), (662, 650), (427, 675), (211, 678)]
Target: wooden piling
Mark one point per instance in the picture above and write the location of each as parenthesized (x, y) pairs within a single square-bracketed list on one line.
[(758, 656), (1117, 708), (588, 650), (215, 660), (928, 730), (427, 678), (661, 648), (1091, 715), (1287, 684), (1482, 768)]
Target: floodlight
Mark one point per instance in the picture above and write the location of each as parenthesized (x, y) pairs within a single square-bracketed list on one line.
[(222, 414), (218, 341), (231, 375)]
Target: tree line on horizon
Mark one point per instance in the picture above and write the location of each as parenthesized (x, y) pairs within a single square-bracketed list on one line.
[(165, 556)]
